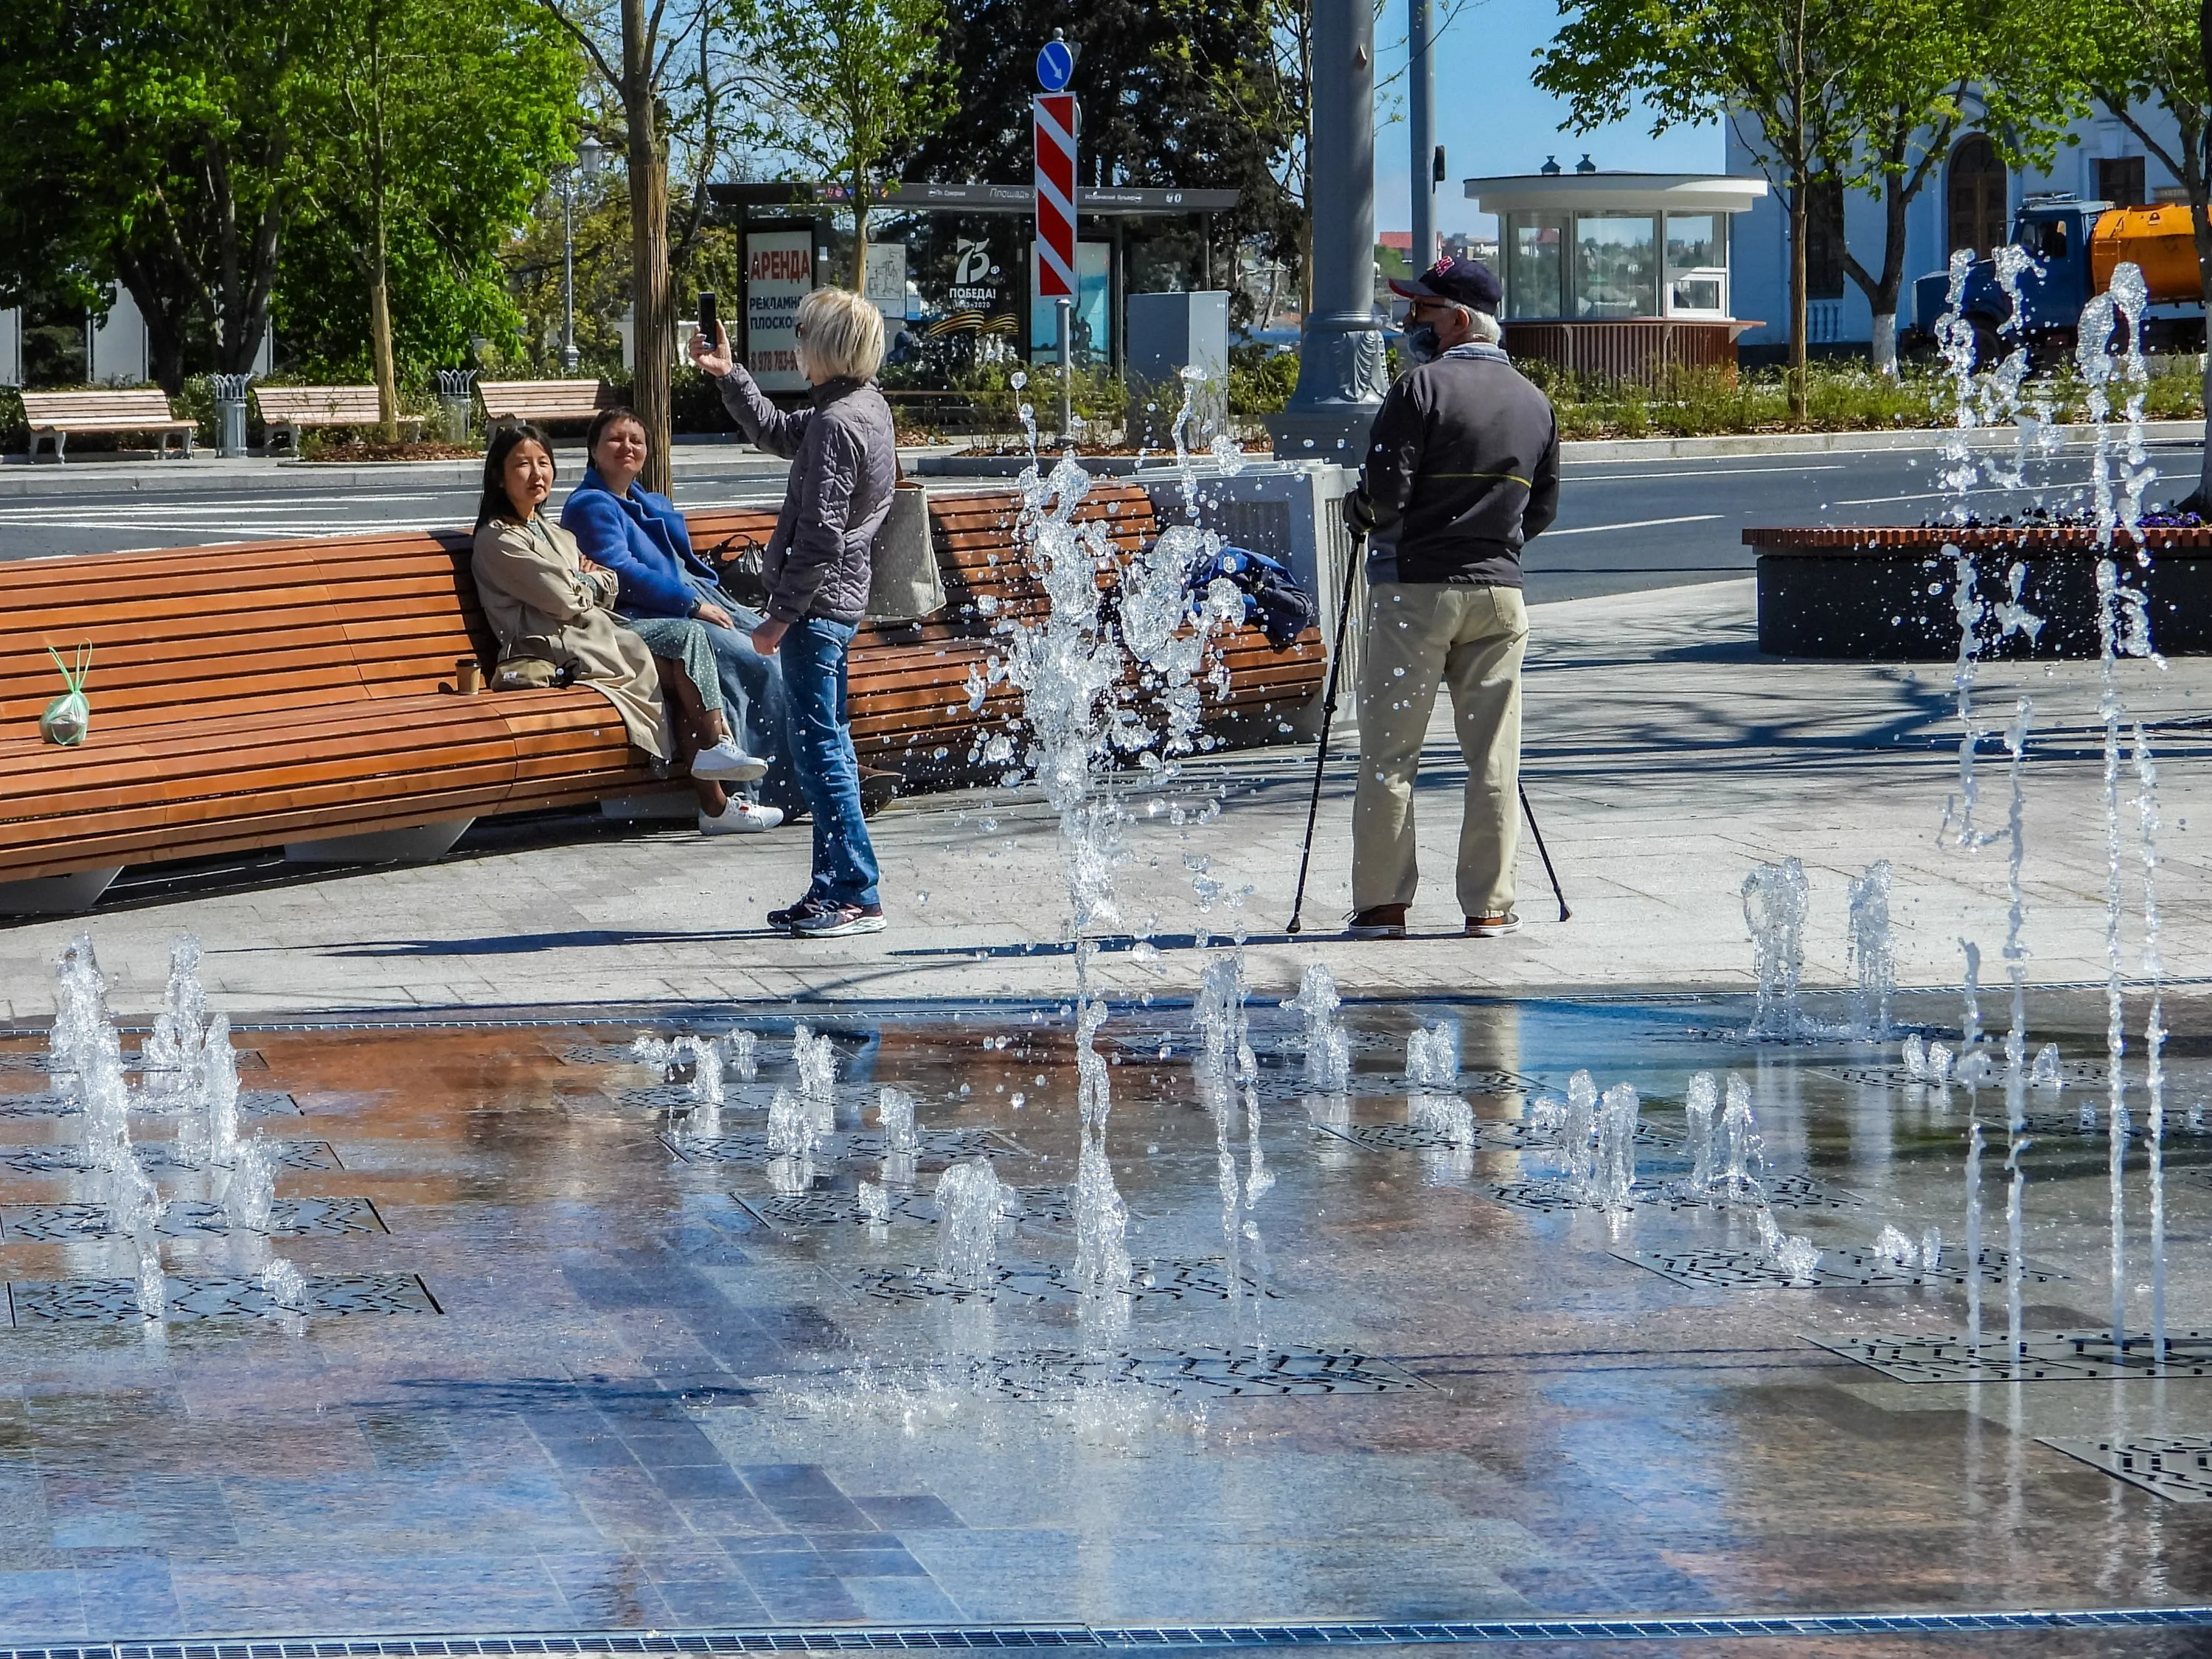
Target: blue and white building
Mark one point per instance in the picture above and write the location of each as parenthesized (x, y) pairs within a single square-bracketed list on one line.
[(1968, 203)]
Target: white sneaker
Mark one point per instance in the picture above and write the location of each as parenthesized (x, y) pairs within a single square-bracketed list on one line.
[(727, 764), (741, 818)]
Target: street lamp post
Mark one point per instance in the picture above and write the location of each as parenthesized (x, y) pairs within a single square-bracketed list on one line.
[(1340, 360), (587, 160)]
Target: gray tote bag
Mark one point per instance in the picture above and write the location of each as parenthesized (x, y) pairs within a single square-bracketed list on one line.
[(905, 584)]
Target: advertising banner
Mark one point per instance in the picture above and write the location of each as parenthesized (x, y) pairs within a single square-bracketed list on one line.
[(886, 284), (779, 274), (1093, 321)]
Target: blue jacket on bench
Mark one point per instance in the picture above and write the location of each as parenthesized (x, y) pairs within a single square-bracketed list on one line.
[(641, 538)]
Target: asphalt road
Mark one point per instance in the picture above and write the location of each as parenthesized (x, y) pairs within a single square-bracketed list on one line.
[(1623, 525)]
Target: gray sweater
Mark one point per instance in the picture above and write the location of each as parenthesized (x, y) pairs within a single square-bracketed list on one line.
[(845, 464)]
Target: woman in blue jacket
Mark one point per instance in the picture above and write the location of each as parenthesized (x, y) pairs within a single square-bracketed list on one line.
[(641, 538)]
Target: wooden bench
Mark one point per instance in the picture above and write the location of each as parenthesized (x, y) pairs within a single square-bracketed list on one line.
[(291, 410), (56, 415), (910, 680), (510, 403), (286, 693)]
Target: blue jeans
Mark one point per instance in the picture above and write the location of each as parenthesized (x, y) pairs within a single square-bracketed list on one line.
[(753, 691), (813, 654)]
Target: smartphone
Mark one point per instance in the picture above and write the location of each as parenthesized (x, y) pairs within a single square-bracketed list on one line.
[(710, 324)]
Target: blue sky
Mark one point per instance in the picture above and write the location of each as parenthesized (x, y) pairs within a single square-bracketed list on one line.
[(1490, 120)]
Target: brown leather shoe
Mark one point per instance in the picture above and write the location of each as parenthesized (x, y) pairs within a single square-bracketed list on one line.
[(1492, 926), (1377, 921)]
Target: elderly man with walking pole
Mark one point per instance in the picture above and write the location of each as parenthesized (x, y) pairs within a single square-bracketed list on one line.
[(1461, 470)]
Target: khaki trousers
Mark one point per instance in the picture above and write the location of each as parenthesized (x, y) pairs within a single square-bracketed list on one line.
[(1470, 638)]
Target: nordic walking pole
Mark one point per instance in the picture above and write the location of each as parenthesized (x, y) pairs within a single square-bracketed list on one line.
[(1327, 713), (1556, 893)]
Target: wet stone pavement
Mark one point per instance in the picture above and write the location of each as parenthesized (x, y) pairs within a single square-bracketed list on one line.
[(566, 1361)]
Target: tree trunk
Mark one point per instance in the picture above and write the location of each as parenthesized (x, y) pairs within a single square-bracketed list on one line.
[(1885, 343), (1799, 312), (379, 339), (648, 231)]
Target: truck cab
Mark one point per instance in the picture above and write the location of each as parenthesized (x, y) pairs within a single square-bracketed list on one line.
[(2055, 230)]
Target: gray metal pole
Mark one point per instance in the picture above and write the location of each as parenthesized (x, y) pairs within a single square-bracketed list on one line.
[(568, 273), (1340, 362), (1421, 127), (1066, 309)]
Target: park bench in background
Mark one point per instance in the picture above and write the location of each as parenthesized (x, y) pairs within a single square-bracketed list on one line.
[(506, 403), (287, 694), (56, 415), (290, 410)]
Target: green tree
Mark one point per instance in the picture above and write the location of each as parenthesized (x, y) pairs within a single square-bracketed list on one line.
[(2143, 55), (1923, 68), (436, 123), (1779, 70), (857, 83), (154, 142), (1178, 92)]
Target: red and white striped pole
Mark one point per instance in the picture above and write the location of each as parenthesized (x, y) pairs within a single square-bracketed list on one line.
[(1053, 120)]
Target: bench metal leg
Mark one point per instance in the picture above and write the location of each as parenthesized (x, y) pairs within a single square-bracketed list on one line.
[(418, 844), (56, 896)]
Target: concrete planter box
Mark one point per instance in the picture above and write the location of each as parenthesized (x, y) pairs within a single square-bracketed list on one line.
[(1889, 594)]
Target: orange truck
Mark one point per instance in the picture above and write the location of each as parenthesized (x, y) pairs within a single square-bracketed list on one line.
[(2076, 244)]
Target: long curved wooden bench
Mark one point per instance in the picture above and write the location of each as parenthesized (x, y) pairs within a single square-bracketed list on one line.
[(283, 693)]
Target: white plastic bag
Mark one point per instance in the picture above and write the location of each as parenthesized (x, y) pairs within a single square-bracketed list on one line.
[(69, 716)]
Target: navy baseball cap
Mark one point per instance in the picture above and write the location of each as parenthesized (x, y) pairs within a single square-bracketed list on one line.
[(1460, 282)]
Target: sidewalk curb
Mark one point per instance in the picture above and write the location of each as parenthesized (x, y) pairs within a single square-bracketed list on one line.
[(1926, 438)]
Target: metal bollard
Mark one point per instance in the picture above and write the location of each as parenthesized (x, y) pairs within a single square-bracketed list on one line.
[(455, 402), (229, 414)]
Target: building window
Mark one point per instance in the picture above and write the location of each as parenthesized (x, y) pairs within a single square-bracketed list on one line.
[(2120, 181), (1824, 238), (1977, 195), (1615, 274), (1697, 265), (1536, 264)]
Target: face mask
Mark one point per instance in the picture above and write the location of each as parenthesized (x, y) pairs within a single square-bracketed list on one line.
[(1420, 342)]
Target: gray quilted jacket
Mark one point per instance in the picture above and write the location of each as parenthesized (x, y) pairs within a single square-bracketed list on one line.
[(844, 465)]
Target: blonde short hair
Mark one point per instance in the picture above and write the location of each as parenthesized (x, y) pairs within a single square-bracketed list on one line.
[(841, 336)]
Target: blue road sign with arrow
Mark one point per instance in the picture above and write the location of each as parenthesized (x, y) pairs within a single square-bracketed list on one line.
[(1055, 64)]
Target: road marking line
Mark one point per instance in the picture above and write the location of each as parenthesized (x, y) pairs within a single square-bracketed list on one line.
[(1715, 472), (1633, 524)]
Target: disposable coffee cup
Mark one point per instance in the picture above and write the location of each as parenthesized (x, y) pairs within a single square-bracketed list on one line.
[(468, 677)]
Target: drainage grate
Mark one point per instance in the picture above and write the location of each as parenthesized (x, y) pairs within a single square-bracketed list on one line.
[(668, 1097), (249, 1060), (935, 1145), (2178, 1467), (939, 1638), (289, 1217), (1794, 1192), (2078, 1074), (1047, 1205), (1750, 1270), (1205, 1279), (599, 1054), (1212, 1373), (68, 1159), (251, 1103), (1491, 1135), (115, 1301), (2044, 1357)]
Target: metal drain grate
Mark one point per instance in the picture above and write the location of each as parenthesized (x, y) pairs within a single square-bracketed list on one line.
[(2176, 1467), (599, 1054), (935, 1145), (2044, 1357), (249, 1060), (2078, 1074), (1794, 1192), (667, 1097), (941, 1638), (251, 1103), (1491, 1135), (1205, 1279), (1750, 1270), (1046, 1205), (1211, 1373), (66, 1159), (289, 1217), (115, 1301)]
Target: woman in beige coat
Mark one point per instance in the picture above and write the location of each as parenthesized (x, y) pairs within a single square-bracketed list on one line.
[(550, 609)]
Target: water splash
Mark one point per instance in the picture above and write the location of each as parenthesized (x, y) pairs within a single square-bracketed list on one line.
[(1618, 1117), (1873, 956), (795, 1132), (971, 1203), (2153, 971), (1743, 1150), (1700, 1109), (2015, 1047), (1328, 1045), (1973, 1233), (1774, 906), (1432, 1056)]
